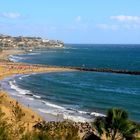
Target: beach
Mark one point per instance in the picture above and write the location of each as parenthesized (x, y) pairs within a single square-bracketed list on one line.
[(19, 70), (31, 117), (8, 69)]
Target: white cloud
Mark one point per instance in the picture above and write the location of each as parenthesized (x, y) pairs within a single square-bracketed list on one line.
[(116, 27), (107, 26), (125, 22), (78, 18), (11, 15), (126, 18)]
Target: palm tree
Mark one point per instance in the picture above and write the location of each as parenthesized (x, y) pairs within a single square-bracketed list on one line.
[(115, 126)]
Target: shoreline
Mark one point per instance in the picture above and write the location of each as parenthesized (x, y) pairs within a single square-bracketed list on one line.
[(8, 69), (32, 117), (47, 110), (29, 100), (16, 68)]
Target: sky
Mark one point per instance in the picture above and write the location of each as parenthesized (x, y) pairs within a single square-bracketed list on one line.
[(73, 21)]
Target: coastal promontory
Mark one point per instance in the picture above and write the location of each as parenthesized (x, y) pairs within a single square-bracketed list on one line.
[(27, 43)]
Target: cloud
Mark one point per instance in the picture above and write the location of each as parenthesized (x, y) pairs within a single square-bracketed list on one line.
[(78, 18), (126, 18), (107, 26), (11, 15), (125, 22), (119, 26)]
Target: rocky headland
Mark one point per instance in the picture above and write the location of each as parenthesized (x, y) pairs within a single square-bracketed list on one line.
[(27, 43)]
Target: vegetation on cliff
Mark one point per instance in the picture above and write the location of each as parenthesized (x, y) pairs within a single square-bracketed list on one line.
[(16, 129)]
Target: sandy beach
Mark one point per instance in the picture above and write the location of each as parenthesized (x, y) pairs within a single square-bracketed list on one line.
[(8, 69)]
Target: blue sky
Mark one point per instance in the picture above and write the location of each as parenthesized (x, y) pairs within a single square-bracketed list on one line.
[(74, 21)]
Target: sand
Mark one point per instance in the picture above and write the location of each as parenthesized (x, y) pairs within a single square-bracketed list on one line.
[(8, 69)]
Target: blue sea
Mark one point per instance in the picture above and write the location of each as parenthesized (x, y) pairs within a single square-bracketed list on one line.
[(76, 95)]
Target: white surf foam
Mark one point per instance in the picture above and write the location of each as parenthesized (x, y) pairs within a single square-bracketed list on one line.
[(15, 58), (83, 112), (33, 53), (37, 96), (48, 111), (19, 90), (56, 110), (97, 114), (53, 105), (65, 115), (75, 118), (23, 76)]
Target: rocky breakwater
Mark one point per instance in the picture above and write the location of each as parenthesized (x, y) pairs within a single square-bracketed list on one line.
[(27, 43)]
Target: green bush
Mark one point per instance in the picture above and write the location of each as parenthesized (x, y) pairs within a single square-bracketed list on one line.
[(116, 125)]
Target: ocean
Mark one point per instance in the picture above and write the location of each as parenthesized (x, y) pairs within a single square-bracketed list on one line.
[(76, 95)]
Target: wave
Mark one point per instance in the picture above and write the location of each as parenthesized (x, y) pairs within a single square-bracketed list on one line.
[(21, 77), (117, 90), (15, 58), (48, 111), (64, 115), (22, 91), (70, 113), (37, 96), (70, 48), (19, 90), (53, 105), (97, 114), (53, 109), (33, 53), (76, 118)]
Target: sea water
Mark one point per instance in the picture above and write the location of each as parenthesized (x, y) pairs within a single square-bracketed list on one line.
[(80, 96)]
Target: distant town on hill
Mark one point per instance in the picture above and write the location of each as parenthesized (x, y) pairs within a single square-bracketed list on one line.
[(26, 43)]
